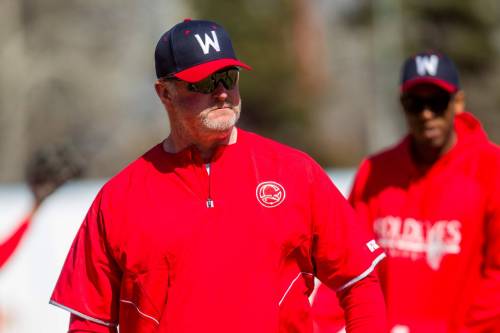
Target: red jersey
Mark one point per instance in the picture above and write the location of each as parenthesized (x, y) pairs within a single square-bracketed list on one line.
[(441, 230), (170, 245)]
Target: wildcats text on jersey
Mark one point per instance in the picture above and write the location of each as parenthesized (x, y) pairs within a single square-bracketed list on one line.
[(414, 239)]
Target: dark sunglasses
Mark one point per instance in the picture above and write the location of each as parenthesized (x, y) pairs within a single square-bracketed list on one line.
[(228, 78), (438, 103)]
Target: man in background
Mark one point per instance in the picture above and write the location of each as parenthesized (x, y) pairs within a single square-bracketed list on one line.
[(433, 203)]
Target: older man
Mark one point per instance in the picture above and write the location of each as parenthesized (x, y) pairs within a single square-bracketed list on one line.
[(215, 229)]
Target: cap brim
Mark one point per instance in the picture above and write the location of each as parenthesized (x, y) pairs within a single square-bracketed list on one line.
[(201, 71), (429, 80)]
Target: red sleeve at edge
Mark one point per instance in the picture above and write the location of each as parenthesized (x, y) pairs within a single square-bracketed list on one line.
[(10, 245), (80, 325), (364, 306)]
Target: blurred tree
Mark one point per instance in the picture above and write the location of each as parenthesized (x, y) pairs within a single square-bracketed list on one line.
[(467, 31), (462, 29), (80, 72)]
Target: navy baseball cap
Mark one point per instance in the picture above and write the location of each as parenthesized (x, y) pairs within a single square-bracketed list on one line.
[(193, 50), (431, 68)]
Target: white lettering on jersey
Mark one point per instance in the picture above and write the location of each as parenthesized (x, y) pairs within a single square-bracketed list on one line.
[(427, 64), (205, 45), (412, 232), (372, 245), (414, 239)]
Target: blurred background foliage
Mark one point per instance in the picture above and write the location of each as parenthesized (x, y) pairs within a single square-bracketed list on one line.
[(325, 72)]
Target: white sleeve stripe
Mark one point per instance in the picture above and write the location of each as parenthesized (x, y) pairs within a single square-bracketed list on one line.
[(140, 312), (290, 286), (84, 316), (364, 274)]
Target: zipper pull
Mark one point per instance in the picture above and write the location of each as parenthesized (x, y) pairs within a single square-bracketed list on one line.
[(210, 203)]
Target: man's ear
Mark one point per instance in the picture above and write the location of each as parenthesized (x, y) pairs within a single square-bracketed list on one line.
[(162, 91), (459, 102)]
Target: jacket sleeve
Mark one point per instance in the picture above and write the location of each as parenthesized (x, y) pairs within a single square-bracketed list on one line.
[(89, 283), (80, 325), (484, 313), (364, 306), (345, 257)]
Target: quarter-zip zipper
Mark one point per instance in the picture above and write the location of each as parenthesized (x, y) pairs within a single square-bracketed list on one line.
[(210, 202)]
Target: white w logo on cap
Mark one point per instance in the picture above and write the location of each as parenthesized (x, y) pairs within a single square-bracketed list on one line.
[(427, 64), (205, 45)]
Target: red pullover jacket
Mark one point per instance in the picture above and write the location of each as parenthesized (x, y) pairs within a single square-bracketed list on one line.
[(169, 247), (441, 231)]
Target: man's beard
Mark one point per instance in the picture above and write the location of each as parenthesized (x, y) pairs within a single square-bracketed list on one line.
[(225, 124)]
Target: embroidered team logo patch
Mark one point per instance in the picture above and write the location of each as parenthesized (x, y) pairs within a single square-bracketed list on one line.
[(270, 194)]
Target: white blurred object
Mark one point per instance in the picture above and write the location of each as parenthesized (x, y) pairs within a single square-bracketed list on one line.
[(400, 329)]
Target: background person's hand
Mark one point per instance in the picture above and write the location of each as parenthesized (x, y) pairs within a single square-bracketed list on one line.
[(49, 168)]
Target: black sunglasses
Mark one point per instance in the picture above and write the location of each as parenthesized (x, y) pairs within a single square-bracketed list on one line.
[(438, 103), (228, 78)]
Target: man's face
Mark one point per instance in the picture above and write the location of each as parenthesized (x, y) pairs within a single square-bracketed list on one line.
[(200, 113), (429, 112)]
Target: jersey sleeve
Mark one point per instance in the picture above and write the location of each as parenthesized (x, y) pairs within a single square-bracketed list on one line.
[(89, 283), (343, 251), (345, 258), (364, 306), (80, 325), (484, 313)]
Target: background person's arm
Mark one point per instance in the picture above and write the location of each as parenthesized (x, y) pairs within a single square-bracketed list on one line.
[(484, 312), (46, 171), (8, 247)]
